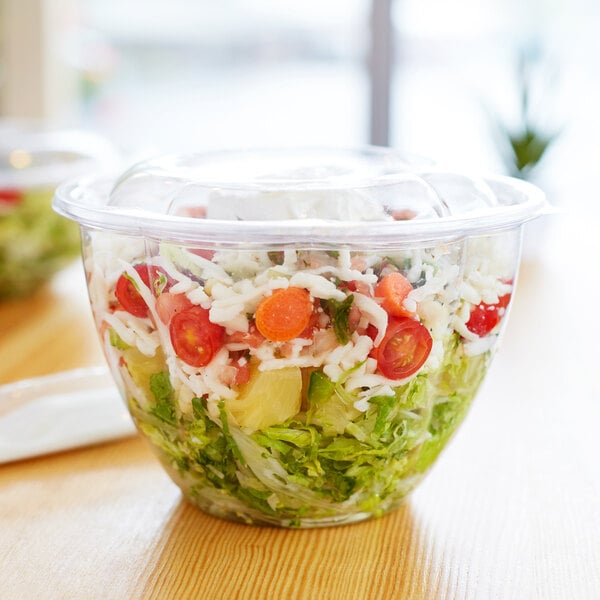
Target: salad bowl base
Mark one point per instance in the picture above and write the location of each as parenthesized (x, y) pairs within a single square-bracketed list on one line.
[(260, 520), (217, 503)]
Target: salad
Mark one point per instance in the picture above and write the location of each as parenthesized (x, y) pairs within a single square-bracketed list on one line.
[(35, 242), (299, 386)]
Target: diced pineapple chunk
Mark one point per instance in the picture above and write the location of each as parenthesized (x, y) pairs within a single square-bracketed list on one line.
[(270, 397), (142, 367)]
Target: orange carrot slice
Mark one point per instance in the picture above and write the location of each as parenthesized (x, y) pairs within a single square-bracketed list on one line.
[(393, 288), (284, 315)]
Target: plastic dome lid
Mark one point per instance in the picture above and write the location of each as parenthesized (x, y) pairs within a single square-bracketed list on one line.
[(32, 155), (366, 197)]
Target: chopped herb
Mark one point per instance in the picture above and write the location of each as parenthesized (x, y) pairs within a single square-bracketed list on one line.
[(339, 313)]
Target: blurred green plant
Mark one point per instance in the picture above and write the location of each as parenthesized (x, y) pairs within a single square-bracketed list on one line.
[(524, 144)]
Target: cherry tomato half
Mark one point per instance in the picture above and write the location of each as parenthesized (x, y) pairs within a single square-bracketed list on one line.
[(195, 339), (404, 348), (127, 294), (484, 317)]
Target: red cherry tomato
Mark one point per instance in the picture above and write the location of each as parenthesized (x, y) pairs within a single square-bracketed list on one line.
[(127, 294), (10, 196), (404, 348), (168, 305), (484, 317), (195, 339)]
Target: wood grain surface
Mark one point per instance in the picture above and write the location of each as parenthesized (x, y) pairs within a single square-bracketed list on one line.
[(510, 511)]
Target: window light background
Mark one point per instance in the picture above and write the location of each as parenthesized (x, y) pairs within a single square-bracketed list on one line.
[(178, 75)]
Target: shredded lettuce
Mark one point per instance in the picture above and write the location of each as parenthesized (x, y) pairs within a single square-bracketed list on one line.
[(330, 460), (35, 242), (161, 389), (454, 388)]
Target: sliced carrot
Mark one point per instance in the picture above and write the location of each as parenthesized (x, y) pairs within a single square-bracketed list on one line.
[(393, 288), (284, 315)]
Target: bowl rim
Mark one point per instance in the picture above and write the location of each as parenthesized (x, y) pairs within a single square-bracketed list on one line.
[(86, 200)]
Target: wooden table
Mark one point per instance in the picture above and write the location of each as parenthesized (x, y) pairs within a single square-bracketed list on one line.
[(510, 511)]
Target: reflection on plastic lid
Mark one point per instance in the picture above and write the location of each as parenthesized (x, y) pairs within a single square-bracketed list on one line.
[(368, 195), (32, 156)]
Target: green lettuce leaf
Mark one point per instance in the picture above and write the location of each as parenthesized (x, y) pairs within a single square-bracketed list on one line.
[(331, 460), (161, 389), (454, 389)]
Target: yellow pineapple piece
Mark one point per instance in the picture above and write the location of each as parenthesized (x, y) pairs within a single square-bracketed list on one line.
[(270, 397), (142, 367)]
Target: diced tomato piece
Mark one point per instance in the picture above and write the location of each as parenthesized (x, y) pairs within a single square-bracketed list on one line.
[(204, 253), (242, 374), (354, 316), (485, 317), (168, 305), (251, 338), (503, 301), (405, 214), (198, 212), (372, 331)]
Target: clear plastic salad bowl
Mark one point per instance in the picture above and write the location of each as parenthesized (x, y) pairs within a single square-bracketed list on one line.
[(35, 242), (299, 333)]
